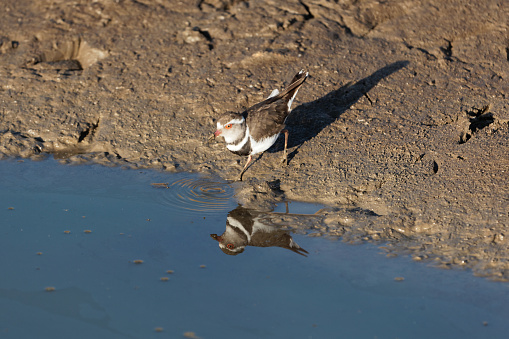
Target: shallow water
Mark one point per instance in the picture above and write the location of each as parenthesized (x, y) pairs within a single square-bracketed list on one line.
[(81, 230)]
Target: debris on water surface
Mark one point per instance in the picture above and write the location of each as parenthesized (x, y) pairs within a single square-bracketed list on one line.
[(160, 185)]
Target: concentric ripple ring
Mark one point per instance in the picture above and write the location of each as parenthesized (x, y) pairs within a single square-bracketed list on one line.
[(198, 195)]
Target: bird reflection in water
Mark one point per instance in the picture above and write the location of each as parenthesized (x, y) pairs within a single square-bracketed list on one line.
[(245, 227)]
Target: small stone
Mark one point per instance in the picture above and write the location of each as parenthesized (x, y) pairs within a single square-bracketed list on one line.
[(138, 261)]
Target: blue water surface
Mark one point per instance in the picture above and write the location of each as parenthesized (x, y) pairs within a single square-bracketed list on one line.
[(80, 229)]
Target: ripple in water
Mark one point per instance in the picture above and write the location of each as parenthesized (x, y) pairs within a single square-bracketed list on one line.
[(199, 195)]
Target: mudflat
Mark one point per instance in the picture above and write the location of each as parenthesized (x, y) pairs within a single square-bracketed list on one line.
[(402, 127)]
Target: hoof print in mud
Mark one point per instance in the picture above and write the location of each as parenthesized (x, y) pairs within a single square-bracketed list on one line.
[(479, 119), (7, 44), (426, 165), (71, 55)]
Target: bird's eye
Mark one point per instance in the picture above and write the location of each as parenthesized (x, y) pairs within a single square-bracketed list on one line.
[(228, 126), (230, 246)]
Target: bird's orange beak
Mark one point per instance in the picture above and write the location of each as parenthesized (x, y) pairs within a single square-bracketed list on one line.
[(213, 136)]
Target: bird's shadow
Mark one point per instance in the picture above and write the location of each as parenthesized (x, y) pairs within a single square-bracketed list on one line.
[(309, 119)]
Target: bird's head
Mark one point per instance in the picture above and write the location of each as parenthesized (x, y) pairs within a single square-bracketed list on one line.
[(228, 247), (231, 127)]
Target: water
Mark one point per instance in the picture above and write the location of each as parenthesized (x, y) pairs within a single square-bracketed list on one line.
[(81, 229)]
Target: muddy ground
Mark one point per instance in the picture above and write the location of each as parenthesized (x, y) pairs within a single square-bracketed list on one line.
[(402, 126)]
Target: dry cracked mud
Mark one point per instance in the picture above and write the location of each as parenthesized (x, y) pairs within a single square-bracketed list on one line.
[(402, 127)]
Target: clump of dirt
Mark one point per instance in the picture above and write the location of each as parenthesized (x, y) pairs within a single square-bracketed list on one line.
[(402, 126)]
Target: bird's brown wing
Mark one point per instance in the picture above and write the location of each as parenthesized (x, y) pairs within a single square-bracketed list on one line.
[(268, 116), (268, 119)]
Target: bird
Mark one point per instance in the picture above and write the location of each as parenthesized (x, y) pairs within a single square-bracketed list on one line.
[(245, 227), (256, 129)]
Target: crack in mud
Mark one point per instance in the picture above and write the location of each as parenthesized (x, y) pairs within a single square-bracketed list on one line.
[(429, 55), (309, 15)]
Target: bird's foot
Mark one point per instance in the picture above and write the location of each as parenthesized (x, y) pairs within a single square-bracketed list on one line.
[(284, 160), (239, 178)]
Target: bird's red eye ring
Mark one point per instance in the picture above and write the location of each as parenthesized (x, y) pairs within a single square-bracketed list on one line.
[(228, 126), (230, 246)]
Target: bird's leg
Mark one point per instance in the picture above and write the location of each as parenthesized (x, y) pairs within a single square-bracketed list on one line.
[(284, 160), (249, 158)]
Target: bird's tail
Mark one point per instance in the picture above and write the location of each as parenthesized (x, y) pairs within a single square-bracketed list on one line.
[(296, 248), (294, 86), (291, 91)]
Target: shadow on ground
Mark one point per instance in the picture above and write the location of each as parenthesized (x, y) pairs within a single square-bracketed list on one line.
[(309, 119)]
